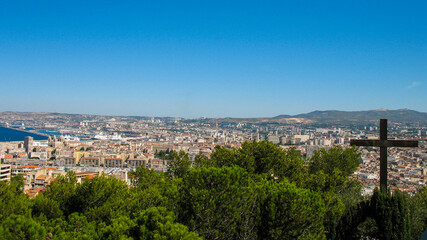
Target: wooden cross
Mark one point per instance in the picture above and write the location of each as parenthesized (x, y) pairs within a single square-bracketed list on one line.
[(383, 143)]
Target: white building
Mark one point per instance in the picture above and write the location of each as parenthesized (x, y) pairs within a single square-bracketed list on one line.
[(274, 139), (5, 172)]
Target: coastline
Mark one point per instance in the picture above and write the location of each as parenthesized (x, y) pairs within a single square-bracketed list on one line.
[(8, 134), (22, 130)]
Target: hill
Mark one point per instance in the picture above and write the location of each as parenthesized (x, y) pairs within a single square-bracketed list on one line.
[(400, 115)]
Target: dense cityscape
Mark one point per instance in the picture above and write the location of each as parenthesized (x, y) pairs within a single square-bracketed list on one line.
[(217, 120), (114, 145)]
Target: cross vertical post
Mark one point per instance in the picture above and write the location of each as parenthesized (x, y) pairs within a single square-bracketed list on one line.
[(383, 154)]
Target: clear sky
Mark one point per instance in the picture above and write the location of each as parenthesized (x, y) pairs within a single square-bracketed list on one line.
[(212, 58)]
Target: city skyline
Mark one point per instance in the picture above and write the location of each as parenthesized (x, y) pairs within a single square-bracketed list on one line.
[(316, 114), (194, 59)]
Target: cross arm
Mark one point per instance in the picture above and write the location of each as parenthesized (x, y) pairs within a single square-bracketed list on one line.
[(383, 143), (364, 142), (401, 143)]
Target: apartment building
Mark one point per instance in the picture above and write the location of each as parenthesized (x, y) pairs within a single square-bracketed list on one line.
[(5, 172), (90, 161), (113, 162), (137, 162)]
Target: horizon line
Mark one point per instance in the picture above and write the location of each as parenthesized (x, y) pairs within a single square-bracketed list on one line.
[(147, 116)]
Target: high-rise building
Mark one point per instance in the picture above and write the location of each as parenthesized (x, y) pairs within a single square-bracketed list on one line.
[(28, 144)]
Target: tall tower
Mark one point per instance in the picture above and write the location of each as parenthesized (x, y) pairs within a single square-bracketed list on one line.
[(28, 144)]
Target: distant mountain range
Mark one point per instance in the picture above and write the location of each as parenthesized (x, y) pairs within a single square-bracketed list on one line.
[(400, 115), (330, 116)]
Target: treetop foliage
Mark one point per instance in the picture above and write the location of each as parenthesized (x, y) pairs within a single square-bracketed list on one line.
[(258, 191)]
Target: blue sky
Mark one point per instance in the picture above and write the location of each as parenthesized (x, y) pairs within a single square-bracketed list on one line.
[(212, 58)]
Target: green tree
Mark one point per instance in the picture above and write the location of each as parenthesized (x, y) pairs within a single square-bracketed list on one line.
[(201, 160), (158, 223), (78, 227), (261, 158), (391, 213), (180, 164), (153, 189), (350, 192), (355, 223), (224, 157), (101, 198), (44, 207), (143, 177), (418, 213), (12, 198), (62, 190), (21, 227), (17, 182), (120, 228), (288, 212), (164, 155), (336, 158), (329, 172), (219, 203), (291, 167)]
